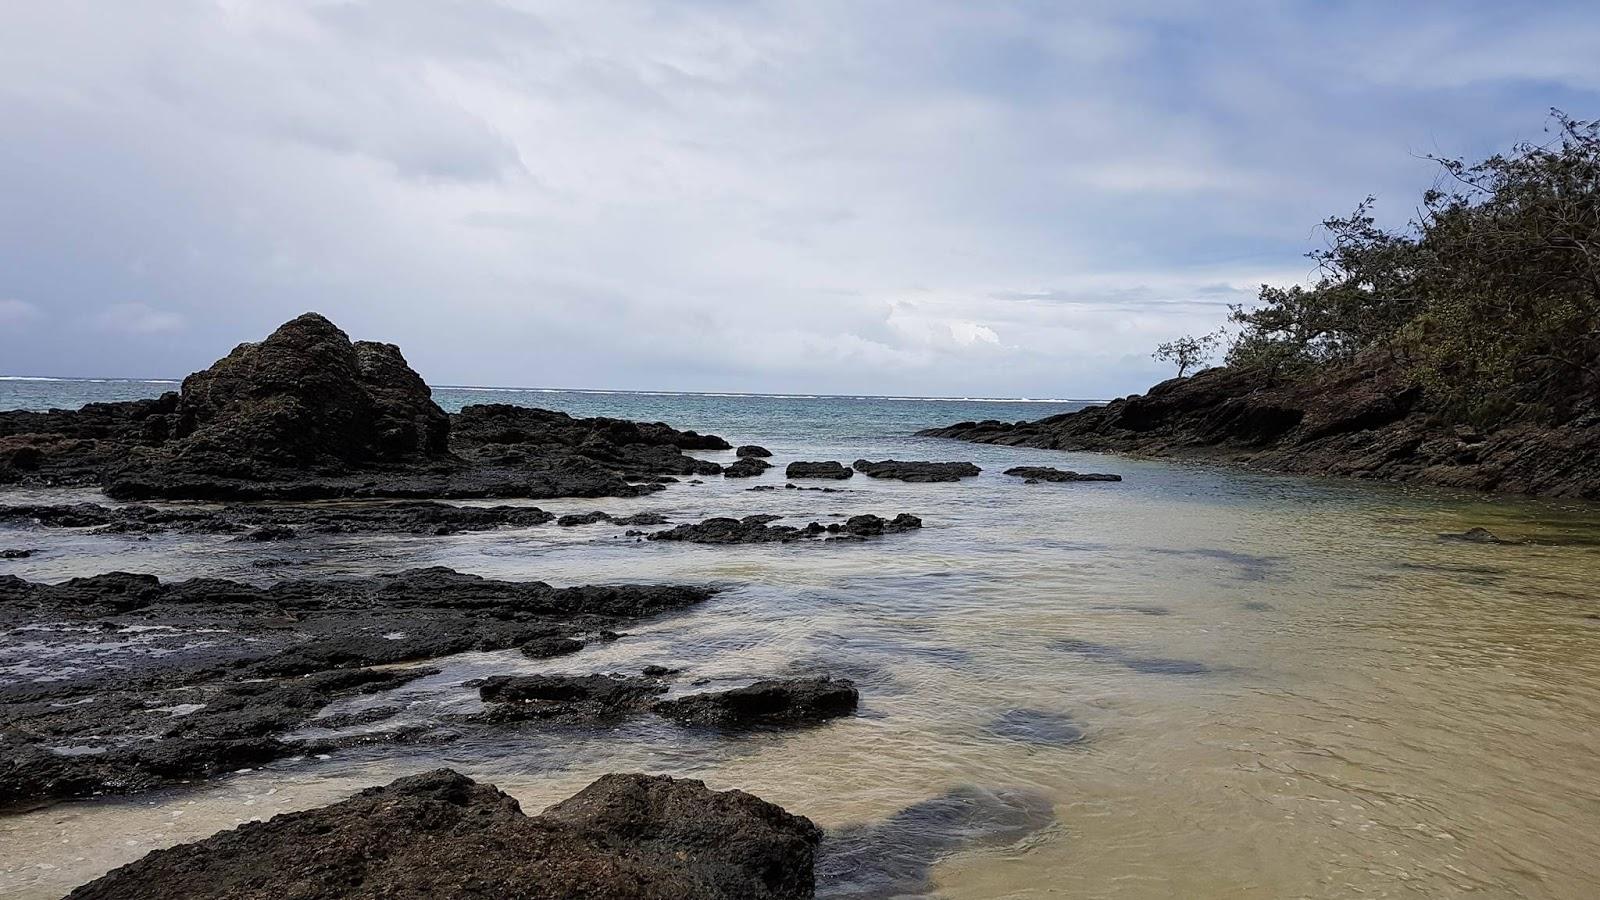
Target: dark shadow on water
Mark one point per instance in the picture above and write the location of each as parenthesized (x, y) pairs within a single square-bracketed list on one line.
[(1150, 665), (1133, 608), (895, 857), (1037, 726), (1248, 566)]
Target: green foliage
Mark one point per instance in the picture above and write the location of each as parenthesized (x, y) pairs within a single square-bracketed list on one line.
[(1188, 352), (1491, 294)]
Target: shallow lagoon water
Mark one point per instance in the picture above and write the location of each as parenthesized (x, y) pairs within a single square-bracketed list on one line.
[(1198, 682)]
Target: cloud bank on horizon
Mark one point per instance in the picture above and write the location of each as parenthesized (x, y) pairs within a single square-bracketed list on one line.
[(912, 197)]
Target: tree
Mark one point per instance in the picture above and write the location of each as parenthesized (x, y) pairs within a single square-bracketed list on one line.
[(1188, 352)]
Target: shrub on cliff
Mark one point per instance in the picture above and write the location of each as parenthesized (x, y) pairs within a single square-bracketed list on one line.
[(1490, 296)]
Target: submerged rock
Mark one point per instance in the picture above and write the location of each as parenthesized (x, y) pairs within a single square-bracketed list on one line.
[(442, 835), (591, 518), (778, 702), (921, 472), (757, 530), (894, 857), (818, 470), (746, 467), (1034, 474), (15, 553), (232, 668), (752, 451), (1477, 535)]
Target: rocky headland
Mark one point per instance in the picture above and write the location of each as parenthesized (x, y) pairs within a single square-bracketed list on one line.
[(1363, 420)]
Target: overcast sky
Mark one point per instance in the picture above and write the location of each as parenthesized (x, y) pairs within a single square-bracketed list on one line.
[(936, 198)]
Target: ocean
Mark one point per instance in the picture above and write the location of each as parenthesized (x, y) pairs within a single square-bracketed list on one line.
[(1199, 682)]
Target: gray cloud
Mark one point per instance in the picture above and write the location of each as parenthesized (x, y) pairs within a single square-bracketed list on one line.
[(901, 197)]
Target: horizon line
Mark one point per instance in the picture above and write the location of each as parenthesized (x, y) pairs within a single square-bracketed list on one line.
[(658, 393)]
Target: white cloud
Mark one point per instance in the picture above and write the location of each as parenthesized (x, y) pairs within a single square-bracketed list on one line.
[(911, 195), (137, 318), (16, 312)]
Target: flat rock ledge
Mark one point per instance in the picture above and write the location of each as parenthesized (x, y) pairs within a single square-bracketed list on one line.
[(916, 471), (194, 679), (440, 834), (758, 530), (1036, 474)]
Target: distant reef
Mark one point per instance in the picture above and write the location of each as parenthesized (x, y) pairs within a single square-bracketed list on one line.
[(308, 413), (1361, 420)]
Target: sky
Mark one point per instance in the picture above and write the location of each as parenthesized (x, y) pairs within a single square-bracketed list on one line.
[(924, 197)]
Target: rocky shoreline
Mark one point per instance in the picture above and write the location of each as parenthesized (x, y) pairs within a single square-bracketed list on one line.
[(196, 679), (1363, 420)]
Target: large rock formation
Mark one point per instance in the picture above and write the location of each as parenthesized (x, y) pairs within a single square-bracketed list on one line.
[(307, 413), (1363, 420), (442, 835)]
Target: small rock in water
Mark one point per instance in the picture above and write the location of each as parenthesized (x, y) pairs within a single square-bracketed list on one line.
[(16, 554), (752, 450), (1036, 474), (746, 467), (1477, 535), (917, 471), (790, 701), (834, 470), (548, 647)]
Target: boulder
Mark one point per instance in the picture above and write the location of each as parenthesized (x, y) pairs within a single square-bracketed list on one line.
[(440, 834), (746, 467), (817, 470), (752, 451)]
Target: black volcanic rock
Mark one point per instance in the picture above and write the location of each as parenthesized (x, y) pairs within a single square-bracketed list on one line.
[(922, 472), (1363, 419), (197, 678), (413, 517), (440, 834), (752, 451), (758, 530), (567, 698), (746, 467), (309, 414), (817, 470), (777, 702), (1047, 473), (305, 399)]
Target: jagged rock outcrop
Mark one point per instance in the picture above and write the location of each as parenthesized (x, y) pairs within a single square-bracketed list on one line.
[(309, 414), (440, 834), (1361, 420)]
